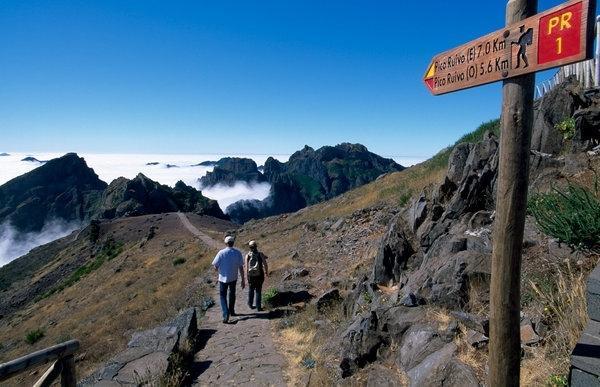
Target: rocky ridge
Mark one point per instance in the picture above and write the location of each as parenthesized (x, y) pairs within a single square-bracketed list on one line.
[(312, 176), (63, 188)]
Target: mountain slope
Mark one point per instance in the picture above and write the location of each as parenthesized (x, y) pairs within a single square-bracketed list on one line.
[(63, 188)]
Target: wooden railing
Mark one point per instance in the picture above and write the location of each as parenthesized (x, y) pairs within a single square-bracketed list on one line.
[(62, 356)]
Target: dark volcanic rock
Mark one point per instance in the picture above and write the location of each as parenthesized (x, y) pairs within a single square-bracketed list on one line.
[(230, 170), (587, 129), (153, 163), (63, 188), (4, 154), (205, 164), (142, 196), (393, 255), (556, 106), (32, 160)]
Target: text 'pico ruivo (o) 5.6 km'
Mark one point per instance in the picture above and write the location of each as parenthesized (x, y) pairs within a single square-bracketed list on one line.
[(559, 36)]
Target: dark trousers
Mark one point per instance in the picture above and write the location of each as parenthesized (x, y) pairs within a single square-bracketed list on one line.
[(255, 288), (227, 309)]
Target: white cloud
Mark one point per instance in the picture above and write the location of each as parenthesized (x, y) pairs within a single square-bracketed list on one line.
[(240, 191), (14, 245)]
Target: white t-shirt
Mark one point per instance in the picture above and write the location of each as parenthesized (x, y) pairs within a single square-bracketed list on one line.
[(228, 261)]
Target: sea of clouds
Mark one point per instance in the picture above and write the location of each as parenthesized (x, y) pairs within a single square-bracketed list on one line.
[(111, 166)]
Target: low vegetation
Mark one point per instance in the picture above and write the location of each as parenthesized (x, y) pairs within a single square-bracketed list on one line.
[(269, 295), (567, 128), (572, 216), (34, 336), (110, 250)]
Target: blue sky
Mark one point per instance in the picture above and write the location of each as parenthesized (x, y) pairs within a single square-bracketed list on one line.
[(235, 77)]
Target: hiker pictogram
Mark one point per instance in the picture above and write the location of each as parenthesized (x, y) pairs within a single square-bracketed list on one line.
[(526, 39)]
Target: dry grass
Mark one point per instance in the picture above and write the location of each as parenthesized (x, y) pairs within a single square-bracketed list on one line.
[(300, 340), (137, 290), (478, 296), (438, 315), (475, 358), (564, 309)]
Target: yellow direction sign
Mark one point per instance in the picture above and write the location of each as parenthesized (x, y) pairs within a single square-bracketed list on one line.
[(559, 36)]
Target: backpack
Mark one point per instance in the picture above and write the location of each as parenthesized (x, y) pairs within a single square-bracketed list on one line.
[(255, 264)]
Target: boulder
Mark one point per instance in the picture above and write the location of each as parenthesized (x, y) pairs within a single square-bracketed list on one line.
[(474, 322), (554, 107), (417, 212), (441, 369), (328, 299), (418, 342), (393, 255), (150, 354)]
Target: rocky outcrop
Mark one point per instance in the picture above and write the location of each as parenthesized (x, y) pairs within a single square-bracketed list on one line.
[(64, 188), (430, 254), (312, 176), (556, 106), (230, 170), (143, 196), (439, 246), (151, 355)]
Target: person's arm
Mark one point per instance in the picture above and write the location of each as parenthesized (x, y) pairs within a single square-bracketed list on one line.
[(265, 265), (241, 268), (215, 262)]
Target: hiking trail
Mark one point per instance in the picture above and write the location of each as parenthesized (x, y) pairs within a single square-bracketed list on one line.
[(240, 353)]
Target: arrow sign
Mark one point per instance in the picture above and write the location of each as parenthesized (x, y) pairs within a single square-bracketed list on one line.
[(559, 36)]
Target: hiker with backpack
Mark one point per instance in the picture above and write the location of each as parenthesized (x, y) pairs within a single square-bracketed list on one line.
[(256, 270)]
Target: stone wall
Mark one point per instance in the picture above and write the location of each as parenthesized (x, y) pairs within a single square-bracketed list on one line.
[(585, 359)]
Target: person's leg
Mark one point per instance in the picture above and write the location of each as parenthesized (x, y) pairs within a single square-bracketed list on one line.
[(259, 295), (250, 295), (232, 298), (223, 297)]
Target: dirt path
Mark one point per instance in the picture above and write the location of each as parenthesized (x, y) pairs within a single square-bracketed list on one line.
[(240, 353), (202, 236)]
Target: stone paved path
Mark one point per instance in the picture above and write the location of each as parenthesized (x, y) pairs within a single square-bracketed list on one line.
[(241, 353)]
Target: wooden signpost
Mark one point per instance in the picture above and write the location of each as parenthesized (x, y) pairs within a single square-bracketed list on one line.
[(529, 43), (559, 36)]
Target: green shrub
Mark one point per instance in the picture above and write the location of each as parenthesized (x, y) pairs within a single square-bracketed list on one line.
[(566, 127), (571, 216), (557, 381), (269, 295), (178, 261), (34, 336)]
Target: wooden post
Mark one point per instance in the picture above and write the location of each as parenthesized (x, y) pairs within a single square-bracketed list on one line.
[(68, 377), (511, 203)]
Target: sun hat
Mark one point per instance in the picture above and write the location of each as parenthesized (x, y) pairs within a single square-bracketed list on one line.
[(229, 239), (252, 243)]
